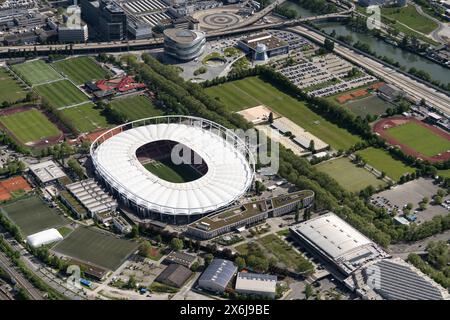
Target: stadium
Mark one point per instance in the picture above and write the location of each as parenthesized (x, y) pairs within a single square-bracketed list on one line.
[(135, 162)]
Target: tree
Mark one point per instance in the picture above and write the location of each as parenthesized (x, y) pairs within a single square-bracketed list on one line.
[(76, 167), (329, 45), (131, 284), (240, 263), (308, 291), (208, 258), (176, 244), (195, 266), (425, 200), (270, 117), (134, 232), (144, 248), (312, 147), (437, 199), (158, 239), (307, 214), (422, 206)]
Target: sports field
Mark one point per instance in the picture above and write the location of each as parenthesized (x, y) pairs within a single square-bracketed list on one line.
[(86, 117), (11, 90), (36, 72), (372, 105), (61, 94), (168, 171), (32, 215), (419, 138), (409, 16), (252, 91), (136, 107), (30, 125), (349, 176), (382, 161), (80, 69), (96, 247)]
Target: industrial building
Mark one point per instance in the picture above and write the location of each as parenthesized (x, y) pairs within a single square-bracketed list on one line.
[(217, 275), (46, 172), (175, 275), (73, 34), (184, 44), (263, 46), (264, 285), (395, 279), (248, 214), (93, 198), (182, 258), (337, 242)]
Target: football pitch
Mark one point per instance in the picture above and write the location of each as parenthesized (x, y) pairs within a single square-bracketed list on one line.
[(85, 117), (96, 247), (61, 94), (382, 161), (80, 69), (348, 175), (168, 171), (32, 215), (372, 105), (30, 125), (419, 138), (11, 90), (253, 91), (36, 72), (136, 107)]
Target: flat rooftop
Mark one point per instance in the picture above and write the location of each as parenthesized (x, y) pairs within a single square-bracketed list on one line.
[(338, 241), (248, 210), (269, 40), (47, 171)]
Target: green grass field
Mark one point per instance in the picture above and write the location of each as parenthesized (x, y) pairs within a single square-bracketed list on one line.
[(349, 176), (168, 171), (36, 72), (444, 173), (61, 94), (86, 117), (136, 107), (30, 125), (32, 215), (372, 105), (96, 247), (285, 253), (409, 16), (80, 69), (382, 161), (419, 138), (11, 90), (253, 91)]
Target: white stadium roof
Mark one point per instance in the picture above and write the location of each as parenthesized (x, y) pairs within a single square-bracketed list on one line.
[(228, 177), (44, 237)]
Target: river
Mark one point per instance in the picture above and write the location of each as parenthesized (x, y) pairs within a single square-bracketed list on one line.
[(404, 58)]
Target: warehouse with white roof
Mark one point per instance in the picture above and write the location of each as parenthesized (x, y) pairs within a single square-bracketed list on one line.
[(337, 242), (256, 284), (228, 173)]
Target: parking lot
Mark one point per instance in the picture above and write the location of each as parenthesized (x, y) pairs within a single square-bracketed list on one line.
[(411, 192)]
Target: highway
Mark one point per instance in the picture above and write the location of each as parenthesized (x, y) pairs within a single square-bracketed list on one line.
[(410, 86)]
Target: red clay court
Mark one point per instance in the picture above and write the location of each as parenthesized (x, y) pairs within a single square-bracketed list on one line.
[(11, 185), (382, 127)]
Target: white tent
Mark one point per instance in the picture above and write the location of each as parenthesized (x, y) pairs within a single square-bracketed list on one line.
[(44, 237)]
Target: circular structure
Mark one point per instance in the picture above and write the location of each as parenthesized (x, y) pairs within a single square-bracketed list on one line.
[(217, 18), (184, 44), (225, 172)]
